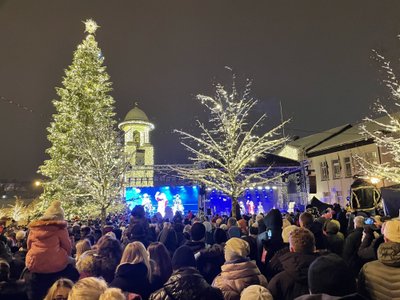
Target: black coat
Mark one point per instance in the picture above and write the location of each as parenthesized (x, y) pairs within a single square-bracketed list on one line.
[(132, 278), (335, 244), (293, 281), (187, 284), (350, 250), (209, 262), (15, 290)]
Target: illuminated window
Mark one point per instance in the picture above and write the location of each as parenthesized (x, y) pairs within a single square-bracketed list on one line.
[(371, 157)]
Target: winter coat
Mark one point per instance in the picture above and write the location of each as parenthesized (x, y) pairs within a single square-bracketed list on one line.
[(335, 243), (209, 262), (235, 277), (293, 281), (195, 246), (350, 250), (49, 246), (132, 278), (15, 290), (187, 284), (320, 239), (380, 279)]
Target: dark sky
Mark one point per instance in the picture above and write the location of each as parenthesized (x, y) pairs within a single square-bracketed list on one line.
[(313, 56)]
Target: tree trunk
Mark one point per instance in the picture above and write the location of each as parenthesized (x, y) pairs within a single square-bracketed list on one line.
[(234, 213), (103, 217)]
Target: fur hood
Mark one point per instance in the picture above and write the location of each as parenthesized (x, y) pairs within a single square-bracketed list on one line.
[(57, 224)]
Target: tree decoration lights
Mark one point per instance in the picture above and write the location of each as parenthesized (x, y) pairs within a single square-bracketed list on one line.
[(229, 144)]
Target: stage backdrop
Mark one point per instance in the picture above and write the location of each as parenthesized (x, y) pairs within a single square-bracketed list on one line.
[(188, 194)]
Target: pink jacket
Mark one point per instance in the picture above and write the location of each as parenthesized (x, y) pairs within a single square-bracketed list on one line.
[(49, 246)]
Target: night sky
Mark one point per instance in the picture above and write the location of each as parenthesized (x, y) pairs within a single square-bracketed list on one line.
[(313, 56)]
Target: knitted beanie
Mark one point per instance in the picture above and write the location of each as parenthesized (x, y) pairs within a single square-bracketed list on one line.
[(183, 257), (255, 292), (198, 231), (54, 212)]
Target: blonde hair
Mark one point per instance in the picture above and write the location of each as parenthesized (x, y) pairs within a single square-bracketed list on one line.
[(60, 283), (89, 288), (135, 253), (112, 294), (85, 263), (82, 246)]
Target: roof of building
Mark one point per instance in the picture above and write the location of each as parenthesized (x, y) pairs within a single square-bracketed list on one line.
[(351, 135), (136, 114)]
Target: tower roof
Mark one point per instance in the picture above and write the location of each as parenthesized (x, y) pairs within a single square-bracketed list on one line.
[(136, 114)]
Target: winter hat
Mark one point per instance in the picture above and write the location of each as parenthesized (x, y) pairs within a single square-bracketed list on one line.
[(54, 212), (329, 274), (20, 235), (236, 248), (224, 227), (183, 257), (220, 236), (234, 231), (208, 226), (286, 232), (198, 231), (255, 292), (391, 230)]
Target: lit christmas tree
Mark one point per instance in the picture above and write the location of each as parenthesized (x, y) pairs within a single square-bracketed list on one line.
[(229, 144), (86, 165), (385, 131)]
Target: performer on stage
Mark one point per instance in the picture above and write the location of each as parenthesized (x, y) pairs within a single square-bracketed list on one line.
[(178, 206), (162, 203), (250, 207), (260, 208), (146, 203), (242, 208)]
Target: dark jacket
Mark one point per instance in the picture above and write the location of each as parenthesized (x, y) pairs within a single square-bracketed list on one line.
[(320, 239), (293, 281), (335, 243), (350, 250), (195, 246), (15, 290), (132, 278), (187, 284), (209, 262), (380, 279), (368, 250)]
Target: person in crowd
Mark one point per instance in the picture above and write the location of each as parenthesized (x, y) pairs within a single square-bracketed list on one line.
[(19, 257), (162, 269), (209, 233), (210, 260), (233, 228), (168, 237), (352, 244), (82, 246), (86, 264), (306, 220), (59, 290), (238, 272), (252, 240), (329, 277), (181, 239), (275, 266), (186, 231), (334, 238), (255, 292), (380, 279), (292, 281), (197, 235), (220, 237), (370, 242), (138, 216), (10, 289), (113, 294), (186, 282), (89, 288), (133, 274), (108, 256), (243, 227), (49, 248)]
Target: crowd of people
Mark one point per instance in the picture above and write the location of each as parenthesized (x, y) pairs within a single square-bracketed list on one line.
[(333, 255)]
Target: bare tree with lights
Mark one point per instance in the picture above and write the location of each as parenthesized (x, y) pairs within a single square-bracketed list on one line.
[(229, 143), (386, 133), (86, 164)]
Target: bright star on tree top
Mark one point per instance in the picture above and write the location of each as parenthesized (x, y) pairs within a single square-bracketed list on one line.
[(90, 26)]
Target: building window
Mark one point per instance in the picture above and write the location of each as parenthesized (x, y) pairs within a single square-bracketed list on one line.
[(347, 167), (324, 171), (336, 169), (371, 157), (339, 196)]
